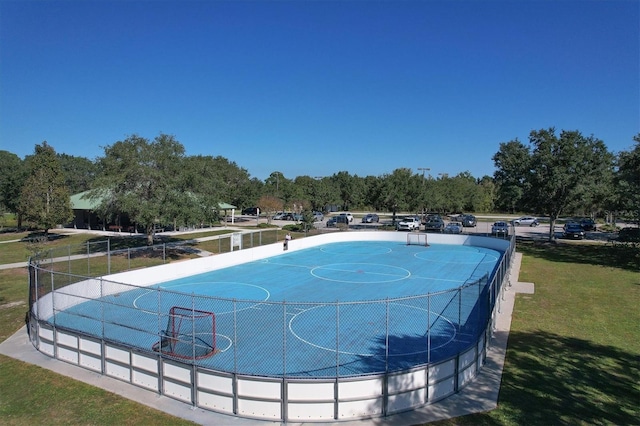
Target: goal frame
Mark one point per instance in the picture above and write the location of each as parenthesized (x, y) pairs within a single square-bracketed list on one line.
[(417, 239), (190, 334)]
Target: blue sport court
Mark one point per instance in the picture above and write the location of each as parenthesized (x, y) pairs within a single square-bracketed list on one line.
[(339, 309)]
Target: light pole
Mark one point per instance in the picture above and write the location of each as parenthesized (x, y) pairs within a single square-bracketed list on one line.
[(424, 169)]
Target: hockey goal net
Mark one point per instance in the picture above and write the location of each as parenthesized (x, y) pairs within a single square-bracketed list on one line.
[(417, 239), (190, 334)]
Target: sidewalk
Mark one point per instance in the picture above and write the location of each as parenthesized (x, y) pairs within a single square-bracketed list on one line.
[(479, 396)]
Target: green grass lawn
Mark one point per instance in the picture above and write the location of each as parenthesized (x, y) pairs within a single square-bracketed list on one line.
[(573, 355)]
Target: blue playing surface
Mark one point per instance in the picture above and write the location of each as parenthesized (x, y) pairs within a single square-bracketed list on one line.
[(337, 309)]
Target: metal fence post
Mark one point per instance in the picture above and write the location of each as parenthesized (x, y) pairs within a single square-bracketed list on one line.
[(386, 338), (284, 339), (337, 339)]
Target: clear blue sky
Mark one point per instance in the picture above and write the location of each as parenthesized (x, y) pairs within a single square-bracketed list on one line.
[(317, 87)]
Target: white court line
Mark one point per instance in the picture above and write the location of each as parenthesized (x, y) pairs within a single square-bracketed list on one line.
[(451, 338)]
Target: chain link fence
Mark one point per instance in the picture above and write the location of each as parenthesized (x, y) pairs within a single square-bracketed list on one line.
[(255, 337)]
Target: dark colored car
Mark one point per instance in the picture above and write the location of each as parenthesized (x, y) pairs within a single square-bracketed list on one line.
[(588, 224), (250, 211), (573, 230), (629, 235), (334, 221), (468, 221), (434, 223), (370, 218)]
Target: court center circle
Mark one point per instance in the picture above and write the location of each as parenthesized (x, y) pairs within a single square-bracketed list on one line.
[(370, 273)]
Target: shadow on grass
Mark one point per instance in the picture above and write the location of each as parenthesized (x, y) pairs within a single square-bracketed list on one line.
[(555, 379), (551, 379), (624, 256)]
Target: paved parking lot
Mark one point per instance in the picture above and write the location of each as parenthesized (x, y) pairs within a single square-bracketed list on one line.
[(483, 227)]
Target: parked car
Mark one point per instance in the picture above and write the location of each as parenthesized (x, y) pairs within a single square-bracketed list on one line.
[(526, 220), (453, 228), (250, 211), (588, 224), (370, 218), (278, 216), (335, 220), (500, 229), (292, 216), (434, 223), (318, 216), (348, 215), (573, 230), (408, 223), (469, 221), (629, 235)]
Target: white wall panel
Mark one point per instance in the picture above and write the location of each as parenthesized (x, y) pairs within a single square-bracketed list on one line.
[(310, 391), (176, 372), (259, 409), (67, 355), (215, 382), (219, 403), (310, 411), (91, 362), (407, 400)]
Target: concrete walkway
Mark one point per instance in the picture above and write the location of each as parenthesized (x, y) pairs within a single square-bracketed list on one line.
[(479, 396)]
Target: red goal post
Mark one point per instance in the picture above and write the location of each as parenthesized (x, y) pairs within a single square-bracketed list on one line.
[(190, 334)]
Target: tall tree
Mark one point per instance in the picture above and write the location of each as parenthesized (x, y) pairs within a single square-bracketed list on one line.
[(627, 179), (563, 169), (146, 181), (12, 176), (396, 192), (512, 169), (345, 183), (483, 201), (45, 200), (79, 172)]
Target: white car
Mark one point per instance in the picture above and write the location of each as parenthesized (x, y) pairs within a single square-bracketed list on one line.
[(408, 224), (348, 215)]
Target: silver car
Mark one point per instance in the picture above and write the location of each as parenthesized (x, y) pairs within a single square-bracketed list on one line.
[(453, 228), (526, 221), (500, 229), (370, 218)]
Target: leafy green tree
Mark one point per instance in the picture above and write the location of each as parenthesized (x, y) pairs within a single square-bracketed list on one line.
[(563, 170), (627, 179), (201, 187), (371, 192), (345, 185), (483, 200), (512, 170), (147, 181), (45, 200), (396, 193), (280, 187), (79, 172), (12, 176)]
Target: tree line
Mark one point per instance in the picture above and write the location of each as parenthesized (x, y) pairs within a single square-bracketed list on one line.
[(154, 181)]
